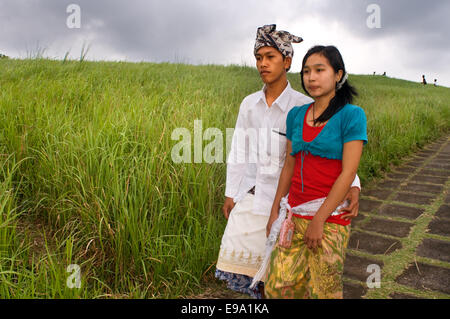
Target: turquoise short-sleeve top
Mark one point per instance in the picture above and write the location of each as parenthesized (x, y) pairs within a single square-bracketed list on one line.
[(348, 124)]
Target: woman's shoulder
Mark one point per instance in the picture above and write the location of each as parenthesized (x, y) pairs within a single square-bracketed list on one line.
[(352, 112), (351, 108)]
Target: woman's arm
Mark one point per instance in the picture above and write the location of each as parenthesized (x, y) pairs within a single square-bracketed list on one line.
[(284, 183), (350, 160)]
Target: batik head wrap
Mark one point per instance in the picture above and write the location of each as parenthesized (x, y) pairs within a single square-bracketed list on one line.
[(281, 40)]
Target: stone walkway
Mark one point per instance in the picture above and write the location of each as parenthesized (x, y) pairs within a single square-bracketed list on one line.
[(404, 229)]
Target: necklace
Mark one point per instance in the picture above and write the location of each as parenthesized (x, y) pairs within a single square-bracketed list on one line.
[(314, 120)]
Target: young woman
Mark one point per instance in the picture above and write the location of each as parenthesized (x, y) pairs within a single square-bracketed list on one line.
[(324, 147)]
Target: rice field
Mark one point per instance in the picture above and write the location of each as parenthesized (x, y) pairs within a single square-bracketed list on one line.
[(87, 177)]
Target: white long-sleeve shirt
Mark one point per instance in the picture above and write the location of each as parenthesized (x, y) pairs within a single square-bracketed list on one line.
[(258, 147)]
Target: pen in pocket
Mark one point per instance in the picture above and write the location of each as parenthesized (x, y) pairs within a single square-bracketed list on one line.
[(284, 134)]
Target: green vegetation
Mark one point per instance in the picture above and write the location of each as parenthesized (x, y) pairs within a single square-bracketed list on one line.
[(86, 175)]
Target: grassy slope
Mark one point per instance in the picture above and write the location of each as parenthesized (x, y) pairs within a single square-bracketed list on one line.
[(90, 144)]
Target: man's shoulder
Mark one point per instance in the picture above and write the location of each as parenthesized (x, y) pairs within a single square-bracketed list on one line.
[(252, 98), (295, 99), (299, 99)]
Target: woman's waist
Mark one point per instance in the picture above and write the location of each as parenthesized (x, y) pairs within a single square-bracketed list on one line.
[(309, 193), (336, 219), (310, 207)]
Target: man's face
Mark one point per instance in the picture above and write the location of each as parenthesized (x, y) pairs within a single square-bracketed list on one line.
[(271, 65)]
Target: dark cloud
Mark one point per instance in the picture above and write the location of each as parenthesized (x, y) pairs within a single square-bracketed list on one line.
[(199, 31), (417, 30), (415, 19), (149, 30)]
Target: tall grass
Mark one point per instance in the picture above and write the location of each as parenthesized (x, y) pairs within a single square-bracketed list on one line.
[(26, 272), (94, 144), (8, 216)]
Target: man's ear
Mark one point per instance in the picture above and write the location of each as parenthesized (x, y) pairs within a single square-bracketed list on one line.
[(287, 63)]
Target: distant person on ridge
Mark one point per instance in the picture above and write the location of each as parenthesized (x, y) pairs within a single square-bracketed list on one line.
[(435, 82), (424, 82), (251, 184)]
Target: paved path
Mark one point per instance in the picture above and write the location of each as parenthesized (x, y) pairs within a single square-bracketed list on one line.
[(404, 228)]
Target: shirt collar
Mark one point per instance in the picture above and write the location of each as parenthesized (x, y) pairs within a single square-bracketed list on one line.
[(281, 101)]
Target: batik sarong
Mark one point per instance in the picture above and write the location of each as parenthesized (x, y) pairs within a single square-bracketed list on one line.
[(301, 273)]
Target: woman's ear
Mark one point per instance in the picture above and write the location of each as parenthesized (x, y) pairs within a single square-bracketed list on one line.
[(339, 75)]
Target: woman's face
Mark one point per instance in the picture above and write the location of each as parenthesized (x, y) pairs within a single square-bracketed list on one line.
[(319, 77)]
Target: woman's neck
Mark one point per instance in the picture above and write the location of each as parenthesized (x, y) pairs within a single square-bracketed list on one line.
[(321, 104)]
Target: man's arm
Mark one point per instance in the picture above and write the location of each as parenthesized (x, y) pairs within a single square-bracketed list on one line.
[(236, 162), (353, 197), (356, 182)]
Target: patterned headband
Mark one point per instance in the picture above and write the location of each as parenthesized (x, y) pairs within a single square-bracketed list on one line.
[(281, 40), (342, 81)]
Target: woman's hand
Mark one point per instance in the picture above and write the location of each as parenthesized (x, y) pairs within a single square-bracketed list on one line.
[(314, 234)]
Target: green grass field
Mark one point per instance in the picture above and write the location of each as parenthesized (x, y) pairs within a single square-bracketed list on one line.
[(87, 178)]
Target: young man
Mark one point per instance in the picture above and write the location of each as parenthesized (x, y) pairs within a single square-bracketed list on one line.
[(257, 154)]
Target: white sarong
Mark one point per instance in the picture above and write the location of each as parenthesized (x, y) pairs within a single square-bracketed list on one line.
[(244, 241)]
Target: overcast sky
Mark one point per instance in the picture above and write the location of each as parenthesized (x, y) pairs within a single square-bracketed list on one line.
[(409, 42)]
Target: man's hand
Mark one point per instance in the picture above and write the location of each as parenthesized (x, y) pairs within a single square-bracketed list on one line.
[(352, 209), (227, 206)]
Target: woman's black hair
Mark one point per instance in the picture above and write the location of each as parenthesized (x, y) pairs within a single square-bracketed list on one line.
[(343, 95)]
